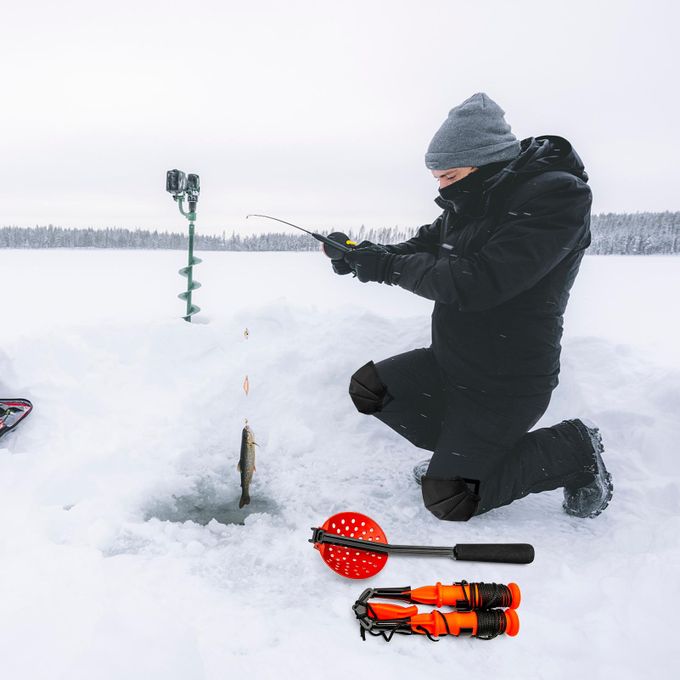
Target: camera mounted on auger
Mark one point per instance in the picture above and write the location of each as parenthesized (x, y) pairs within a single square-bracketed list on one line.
[(184, 187)]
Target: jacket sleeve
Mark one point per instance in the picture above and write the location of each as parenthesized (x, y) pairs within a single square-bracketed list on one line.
[(425, 241), (531, 240)]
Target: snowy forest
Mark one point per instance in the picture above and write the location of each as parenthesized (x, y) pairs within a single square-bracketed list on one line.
[(641, 233)]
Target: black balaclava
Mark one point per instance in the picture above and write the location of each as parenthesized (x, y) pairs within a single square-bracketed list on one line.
[(472, 183)]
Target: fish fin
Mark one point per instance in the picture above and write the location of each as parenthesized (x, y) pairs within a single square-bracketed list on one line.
[(238, 466), (245, 500)]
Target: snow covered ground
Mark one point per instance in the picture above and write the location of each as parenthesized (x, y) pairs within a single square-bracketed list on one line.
[(110, 563)]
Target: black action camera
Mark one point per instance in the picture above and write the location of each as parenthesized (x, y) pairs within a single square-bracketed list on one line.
[(193, 183), (176, 182)]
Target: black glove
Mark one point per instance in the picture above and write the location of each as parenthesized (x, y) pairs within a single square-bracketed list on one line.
[(341, 267), (370, 262)]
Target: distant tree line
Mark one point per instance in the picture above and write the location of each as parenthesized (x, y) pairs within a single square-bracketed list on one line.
[(612, 233), (646, 233), (61, 237)]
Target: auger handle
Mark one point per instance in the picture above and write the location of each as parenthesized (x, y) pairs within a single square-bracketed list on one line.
[(513, 553)]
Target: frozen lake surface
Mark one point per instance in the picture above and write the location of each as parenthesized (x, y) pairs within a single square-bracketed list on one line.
[(122, 553)]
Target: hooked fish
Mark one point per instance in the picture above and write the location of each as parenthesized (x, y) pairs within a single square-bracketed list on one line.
[(246, 464)]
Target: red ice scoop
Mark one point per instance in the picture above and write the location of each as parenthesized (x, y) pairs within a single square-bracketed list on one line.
[(354, 546)]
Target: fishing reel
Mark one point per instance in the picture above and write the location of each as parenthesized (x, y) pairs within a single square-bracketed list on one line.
[(184, 187), (344, 244)]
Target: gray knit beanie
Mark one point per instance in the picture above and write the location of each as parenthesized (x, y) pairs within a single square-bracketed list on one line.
[(474, 134)]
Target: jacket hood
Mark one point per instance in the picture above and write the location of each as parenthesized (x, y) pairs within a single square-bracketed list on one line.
[(537, 155), (542, 154)]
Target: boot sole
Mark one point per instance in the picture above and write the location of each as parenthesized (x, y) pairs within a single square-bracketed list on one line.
[(598, 447)]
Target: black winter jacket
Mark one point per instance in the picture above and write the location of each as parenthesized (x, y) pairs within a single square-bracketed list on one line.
[(500, 268)]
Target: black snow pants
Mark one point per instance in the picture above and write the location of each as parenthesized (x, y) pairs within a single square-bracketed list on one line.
[(483, 453)]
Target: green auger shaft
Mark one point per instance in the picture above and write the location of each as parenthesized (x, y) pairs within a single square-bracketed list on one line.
[(188, 271)]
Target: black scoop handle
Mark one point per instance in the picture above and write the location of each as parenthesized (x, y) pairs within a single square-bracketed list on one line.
[(513, 553)]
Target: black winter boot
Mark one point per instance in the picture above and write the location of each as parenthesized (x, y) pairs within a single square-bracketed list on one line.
[(589, 500)]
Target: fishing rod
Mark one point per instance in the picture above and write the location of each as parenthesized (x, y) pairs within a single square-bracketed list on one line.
[(337, 243)]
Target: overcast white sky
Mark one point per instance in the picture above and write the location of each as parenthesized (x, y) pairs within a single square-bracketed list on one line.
[(318, 112)]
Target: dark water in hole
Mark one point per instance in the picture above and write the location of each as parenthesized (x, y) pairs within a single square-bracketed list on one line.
[(193, 508)]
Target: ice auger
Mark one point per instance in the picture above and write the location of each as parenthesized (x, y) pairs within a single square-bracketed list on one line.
[(478, 611), (187, 187)]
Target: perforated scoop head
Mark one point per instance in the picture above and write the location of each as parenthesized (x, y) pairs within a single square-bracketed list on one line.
[(350, 562)]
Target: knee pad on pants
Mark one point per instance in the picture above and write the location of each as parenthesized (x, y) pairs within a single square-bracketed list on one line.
[(450, 499), (367, 391)]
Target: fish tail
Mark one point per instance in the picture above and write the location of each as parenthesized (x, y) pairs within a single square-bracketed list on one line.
[(245, 499)]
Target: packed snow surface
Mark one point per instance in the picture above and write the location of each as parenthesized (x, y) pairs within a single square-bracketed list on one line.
[(121, 555)]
